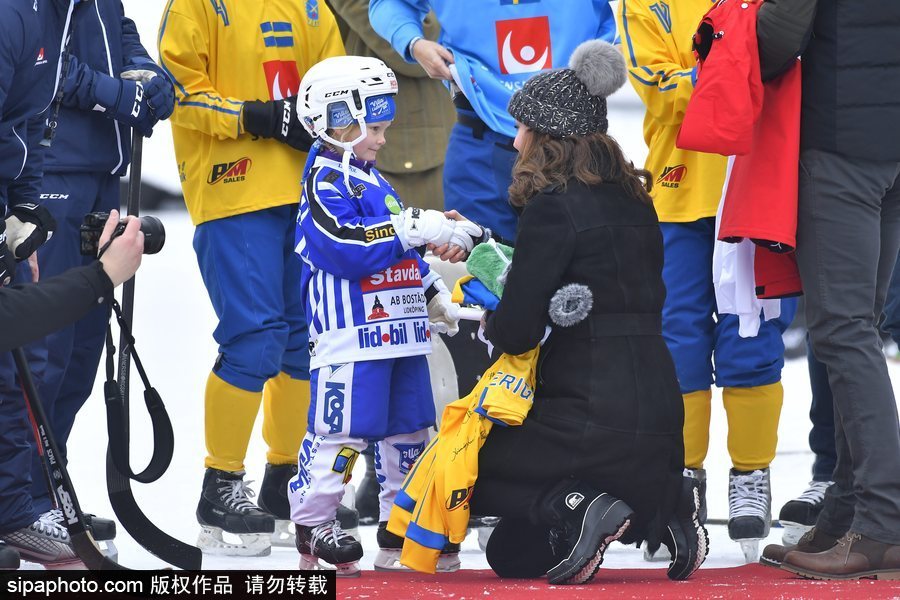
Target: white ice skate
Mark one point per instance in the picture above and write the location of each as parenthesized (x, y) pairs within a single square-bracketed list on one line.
[(749, 510), (45, 542), (390, 547), (388, 559)]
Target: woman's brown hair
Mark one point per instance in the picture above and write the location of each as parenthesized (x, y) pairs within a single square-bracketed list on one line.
[(547, 161)]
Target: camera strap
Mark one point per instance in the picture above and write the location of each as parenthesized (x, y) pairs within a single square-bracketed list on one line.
[(117, 422)]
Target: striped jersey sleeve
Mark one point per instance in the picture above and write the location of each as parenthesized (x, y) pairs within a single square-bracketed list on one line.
[(336, 238)]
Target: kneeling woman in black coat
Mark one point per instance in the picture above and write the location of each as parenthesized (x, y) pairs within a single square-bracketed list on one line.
[(600, 455)]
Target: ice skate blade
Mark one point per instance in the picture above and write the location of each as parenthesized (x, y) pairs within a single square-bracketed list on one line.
[(661, 555), (750, 548), (793, 532), (308, 562), (66, 565), (284, 536), (108, 547), (388, 559), (211, 542)]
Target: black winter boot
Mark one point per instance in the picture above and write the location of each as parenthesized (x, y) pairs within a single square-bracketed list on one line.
[(583, 523), (519, 549), (686, 538)]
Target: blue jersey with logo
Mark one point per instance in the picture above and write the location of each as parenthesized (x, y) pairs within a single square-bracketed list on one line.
[(364, 294), (31, 34), (497, 44)]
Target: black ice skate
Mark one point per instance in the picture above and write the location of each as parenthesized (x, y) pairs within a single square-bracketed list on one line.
[(367, 494), (687, 540), (273, 499), (225, 507), (390, 545), (583, 524), (799, 515), (102, 530), (9, 558), (749, 510), (331, 544)]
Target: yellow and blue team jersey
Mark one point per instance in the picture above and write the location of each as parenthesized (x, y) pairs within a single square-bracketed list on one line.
[(656, 41), (220, 53)]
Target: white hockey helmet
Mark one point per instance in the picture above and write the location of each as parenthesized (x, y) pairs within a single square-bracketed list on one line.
[(341, 90)]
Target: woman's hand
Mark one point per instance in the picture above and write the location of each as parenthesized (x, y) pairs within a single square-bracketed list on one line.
[(469, 235)]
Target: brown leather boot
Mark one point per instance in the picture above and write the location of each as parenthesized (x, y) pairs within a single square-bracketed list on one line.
[(812, 541), (853, 557)]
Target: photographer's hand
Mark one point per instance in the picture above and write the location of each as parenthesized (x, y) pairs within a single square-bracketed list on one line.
[(123, 257)]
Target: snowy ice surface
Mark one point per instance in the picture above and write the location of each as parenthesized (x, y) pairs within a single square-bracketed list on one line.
[(174, 322)]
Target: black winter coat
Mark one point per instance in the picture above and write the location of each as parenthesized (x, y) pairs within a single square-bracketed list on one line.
[(29, 311), (607, 405)]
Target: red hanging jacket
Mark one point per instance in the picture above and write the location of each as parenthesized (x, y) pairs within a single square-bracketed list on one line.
[(731, 112)]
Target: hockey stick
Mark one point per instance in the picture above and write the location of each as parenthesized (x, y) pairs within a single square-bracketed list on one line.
[(58, 476), (121, 496)]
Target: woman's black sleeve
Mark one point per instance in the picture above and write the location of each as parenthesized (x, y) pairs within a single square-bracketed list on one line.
[(544, 247)]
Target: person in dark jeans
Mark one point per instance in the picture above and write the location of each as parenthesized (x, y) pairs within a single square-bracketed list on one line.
[(890, 324), (847, 243)]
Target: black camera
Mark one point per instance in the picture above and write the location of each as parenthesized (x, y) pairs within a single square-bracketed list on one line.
[(92, 227)]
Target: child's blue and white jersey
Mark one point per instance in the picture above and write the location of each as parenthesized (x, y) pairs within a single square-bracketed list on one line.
[(364, 295)]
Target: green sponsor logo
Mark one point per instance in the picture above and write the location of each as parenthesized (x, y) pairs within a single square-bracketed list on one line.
[(392, 204)]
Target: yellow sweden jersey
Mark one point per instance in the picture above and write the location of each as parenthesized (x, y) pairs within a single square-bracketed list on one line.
[(656, 42), (219, 54)]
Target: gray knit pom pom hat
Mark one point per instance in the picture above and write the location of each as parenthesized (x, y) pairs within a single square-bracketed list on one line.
[(572, 101)]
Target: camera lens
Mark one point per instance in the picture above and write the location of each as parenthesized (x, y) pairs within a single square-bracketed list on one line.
[(154, 234)]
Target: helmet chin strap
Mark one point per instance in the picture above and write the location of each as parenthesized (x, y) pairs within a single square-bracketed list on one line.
[(347, 147)]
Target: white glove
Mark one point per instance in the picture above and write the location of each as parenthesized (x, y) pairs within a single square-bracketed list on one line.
[(416, 227), (468, 234), (443, 315)]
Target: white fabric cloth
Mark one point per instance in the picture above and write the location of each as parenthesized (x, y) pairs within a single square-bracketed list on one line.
[(734, 280)]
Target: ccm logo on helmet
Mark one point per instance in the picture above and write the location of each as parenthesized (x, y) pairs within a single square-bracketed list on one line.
[(336, 93)]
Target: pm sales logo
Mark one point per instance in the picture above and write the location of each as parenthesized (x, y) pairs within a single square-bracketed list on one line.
[(671, 177), (230, 172), (41, 59), (523, 45)]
